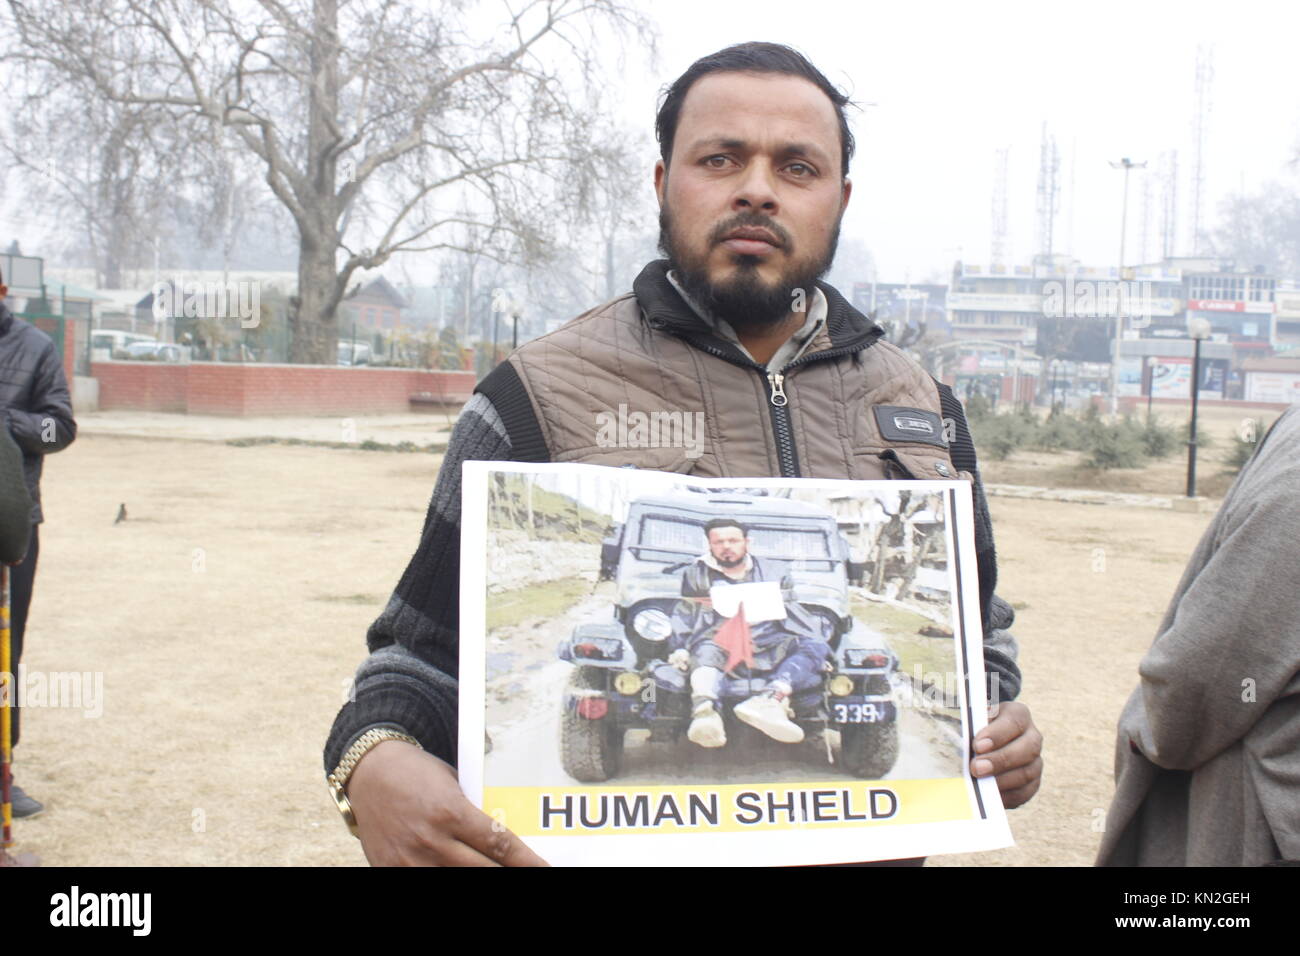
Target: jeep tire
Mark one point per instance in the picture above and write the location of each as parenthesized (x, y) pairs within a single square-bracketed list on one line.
[(869, 751), (590, 750)]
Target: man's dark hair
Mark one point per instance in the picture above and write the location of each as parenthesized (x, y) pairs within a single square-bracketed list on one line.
[(749, 58), (725, 523)]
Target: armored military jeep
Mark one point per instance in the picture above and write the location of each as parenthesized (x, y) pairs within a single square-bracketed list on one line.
[(622, 680)]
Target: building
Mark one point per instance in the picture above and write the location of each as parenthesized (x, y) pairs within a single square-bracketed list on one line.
[(906, 305), (373, 311), (1056, 319)]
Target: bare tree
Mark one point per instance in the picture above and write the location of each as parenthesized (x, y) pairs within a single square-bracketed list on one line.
[(101, 170), (1261, 229), (388, 101)]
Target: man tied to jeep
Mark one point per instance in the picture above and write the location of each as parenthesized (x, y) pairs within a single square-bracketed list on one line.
[(793, 651), (752, 181)]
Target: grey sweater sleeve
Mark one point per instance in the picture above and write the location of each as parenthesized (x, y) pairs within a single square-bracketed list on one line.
[(409, 679)]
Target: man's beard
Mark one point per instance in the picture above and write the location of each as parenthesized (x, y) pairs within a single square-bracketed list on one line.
[(744, 300)]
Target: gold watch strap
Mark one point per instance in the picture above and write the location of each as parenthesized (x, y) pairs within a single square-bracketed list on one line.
[(338, 780)]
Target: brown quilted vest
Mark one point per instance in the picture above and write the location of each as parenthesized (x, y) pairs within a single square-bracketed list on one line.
[(642, 381)]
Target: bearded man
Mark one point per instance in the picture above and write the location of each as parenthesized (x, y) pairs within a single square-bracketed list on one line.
[(733, 324)]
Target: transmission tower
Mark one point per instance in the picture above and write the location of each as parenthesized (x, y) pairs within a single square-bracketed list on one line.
[(1168, 204), (1049, 191), (1147, 192), (998, 246), (1070, 192), (1200, 123)]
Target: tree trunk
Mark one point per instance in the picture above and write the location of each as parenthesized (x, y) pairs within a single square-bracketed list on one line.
[(315, 320)]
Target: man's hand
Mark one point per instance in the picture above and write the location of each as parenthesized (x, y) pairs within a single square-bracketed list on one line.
[(411, 812), (681, 659), (1010, 748)]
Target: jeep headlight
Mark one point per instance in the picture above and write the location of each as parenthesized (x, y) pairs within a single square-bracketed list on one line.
[(652, 624), (628, 683), (841, 685)]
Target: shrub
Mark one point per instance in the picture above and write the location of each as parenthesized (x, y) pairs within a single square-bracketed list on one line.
[(1244, 445), (1060, 432), (978, 408), (999, 435), (1158, 440), (1114, 446)]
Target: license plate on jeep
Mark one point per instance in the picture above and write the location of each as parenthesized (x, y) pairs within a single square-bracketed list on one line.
[(856, 713)]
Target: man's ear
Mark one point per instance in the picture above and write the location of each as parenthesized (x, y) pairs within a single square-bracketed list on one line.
[(661, 180), (846, 190)]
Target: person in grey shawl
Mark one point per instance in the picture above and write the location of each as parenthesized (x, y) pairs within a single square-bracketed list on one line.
[(1207, 760)]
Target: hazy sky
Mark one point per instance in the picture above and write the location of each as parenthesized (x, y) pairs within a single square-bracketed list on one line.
[(953, 82)]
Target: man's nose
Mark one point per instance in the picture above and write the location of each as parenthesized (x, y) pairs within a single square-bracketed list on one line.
[(757, 190)]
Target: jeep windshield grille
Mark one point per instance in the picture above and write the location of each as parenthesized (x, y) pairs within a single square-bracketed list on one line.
[(670, 539)]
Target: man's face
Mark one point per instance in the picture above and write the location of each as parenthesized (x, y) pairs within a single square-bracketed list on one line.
[(751, 210), (728, 546)]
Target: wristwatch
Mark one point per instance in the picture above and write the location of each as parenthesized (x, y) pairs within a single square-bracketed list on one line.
[(338, 780)]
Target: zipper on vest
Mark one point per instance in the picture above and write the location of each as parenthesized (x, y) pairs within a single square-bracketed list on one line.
[(777, 399), (775, 380), (781, 424)]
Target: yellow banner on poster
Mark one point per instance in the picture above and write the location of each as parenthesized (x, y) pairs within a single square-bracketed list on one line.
[(732, 808)]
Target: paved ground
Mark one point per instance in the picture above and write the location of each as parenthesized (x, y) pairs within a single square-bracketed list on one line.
[(419, 429)]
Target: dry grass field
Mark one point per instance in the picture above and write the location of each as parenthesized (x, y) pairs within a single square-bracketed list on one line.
[(229, 609)]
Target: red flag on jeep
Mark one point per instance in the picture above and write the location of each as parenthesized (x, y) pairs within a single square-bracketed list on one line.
[(734, 638)]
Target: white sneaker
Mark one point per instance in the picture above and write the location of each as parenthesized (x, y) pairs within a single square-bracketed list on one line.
[(706, 728), (771, 716)]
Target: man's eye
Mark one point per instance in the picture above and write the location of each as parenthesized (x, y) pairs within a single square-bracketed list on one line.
[(800, 170), (717, 162)]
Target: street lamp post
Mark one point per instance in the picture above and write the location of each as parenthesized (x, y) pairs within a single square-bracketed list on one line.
[(1200, 331), (1151, 376), (1125, 164)]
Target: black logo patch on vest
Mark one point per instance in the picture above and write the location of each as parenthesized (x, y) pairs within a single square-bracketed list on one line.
[(897, 423)]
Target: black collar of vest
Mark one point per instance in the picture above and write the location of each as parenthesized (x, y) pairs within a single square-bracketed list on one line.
[(665, 309), (6, 319)]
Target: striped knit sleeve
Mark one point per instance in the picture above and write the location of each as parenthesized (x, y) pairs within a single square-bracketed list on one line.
[(409, 679), (1000, 647)]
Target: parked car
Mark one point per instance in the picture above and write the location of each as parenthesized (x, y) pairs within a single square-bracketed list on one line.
[(621, 679), (354, 353), (157, 352), (113, 343)]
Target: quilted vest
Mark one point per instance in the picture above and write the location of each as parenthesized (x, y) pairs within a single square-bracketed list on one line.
[(643, 381)]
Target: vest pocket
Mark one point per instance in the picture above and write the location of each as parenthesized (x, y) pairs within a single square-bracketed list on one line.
[(894, 467), (914, 463)]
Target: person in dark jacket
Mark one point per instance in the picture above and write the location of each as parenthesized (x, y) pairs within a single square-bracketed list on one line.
[(791, 651), (37, 413)]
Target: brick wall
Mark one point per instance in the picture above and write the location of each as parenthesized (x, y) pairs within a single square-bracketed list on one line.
[(49, 327), (218, 388)]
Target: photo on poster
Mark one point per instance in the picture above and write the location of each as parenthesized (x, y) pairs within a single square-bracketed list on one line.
[(654, 663)]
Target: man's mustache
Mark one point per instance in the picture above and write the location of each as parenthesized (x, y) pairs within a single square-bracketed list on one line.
[(753, 220)]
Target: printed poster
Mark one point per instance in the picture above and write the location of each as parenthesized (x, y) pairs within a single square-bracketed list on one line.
[(658, 669)]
